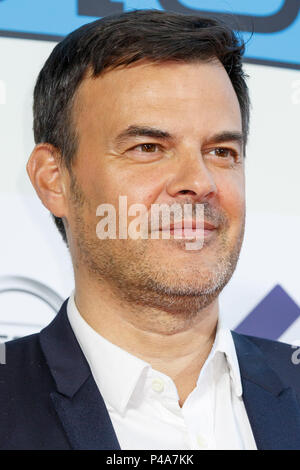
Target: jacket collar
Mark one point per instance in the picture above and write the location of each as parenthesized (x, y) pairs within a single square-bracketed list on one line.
[(78, 402), (67, 363), (272, 407), (253, 366)]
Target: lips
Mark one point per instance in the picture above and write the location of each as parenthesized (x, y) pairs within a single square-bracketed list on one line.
[(188, 225), (187, 229)]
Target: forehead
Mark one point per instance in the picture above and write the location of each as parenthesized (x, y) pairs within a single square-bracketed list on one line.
[(174, 92)]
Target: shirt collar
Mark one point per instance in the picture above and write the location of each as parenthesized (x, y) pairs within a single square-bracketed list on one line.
[(117, 372), (224, 344)]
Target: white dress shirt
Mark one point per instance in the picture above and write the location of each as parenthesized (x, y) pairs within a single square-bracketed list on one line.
[(143, 402)]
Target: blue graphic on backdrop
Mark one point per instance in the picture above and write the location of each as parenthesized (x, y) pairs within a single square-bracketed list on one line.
[(275, 23), (272, 316)]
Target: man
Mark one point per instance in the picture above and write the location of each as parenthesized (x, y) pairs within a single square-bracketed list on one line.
[(152, 106)]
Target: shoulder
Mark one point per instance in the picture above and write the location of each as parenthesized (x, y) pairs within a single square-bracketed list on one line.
[(283, 358), (268, 345), (28, 419), (25, 378), (23, 364), (271, 349), (22, 350)]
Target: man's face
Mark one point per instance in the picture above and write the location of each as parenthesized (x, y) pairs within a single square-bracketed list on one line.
[(188, 162)]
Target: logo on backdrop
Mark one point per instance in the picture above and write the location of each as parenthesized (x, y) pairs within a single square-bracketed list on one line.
[(272, 316), (29, 287), (275, 24)]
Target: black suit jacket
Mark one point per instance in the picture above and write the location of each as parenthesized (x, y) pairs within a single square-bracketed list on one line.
[(49, 399)]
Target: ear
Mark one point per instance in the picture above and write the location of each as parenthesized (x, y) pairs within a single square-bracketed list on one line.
[(48, 178)]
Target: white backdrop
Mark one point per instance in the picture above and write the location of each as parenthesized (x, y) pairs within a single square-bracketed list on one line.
[(31, 247)]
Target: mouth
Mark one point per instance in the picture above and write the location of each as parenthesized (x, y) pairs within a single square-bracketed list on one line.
[(189, 229)]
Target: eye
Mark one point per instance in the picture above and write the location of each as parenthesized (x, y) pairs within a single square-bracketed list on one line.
[(147, 152), (147, 148), (224, 152)]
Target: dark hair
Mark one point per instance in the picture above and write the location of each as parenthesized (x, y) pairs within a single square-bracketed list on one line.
[(122, 39)]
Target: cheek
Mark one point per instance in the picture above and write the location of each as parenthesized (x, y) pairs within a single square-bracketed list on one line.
[(231, 194), (105, 179), (141, 186)]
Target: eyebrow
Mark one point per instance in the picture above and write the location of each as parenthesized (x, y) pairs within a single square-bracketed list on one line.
[(226, 136), (146, 131), (142, 131)]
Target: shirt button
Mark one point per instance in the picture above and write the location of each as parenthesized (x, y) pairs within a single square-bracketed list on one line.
[(201, 442), (158, 385)]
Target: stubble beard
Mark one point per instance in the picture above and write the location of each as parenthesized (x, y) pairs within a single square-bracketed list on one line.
[(134, 273)]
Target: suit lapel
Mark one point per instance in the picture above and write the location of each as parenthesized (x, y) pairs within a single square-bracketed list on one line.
[(77, 401), (272, 408), (85, 419)]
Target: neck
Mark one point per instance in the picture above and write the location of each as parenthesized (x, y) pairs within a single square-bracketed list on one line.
[(174, 344)]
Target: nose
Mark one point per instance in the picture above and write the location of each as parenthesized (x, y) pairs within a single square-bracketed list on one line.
[(192, 178)]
